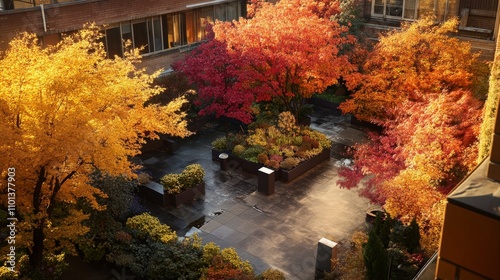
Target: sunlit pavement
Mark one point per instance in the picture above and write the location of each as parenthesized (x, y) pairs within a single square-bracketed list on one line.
[(279, 230)]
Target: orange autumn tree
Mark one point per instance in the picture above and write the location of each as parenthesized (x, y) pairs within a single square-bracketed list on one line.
[(418, 89), (65, 111), (287, 51), (409, 64)]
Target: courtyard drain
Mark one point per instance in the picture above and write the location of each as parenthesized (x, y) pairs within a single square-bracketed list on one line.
[(217, 213)]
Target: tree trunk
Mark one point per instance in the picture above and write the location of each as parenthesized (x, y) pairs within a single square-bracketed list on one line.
[(36, 254)]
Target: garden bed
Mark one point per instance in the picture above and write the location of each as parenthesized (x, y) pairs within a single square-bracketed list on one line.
[(286, 176), (239, 163), (155, 193)]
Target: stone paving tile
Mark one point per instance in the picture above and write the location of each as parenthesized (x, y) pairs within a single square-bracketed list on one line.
[(238, 209), (210, 226)]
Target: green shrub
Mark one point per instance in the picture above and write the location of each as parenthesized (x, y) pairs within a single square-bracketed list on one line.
[(375, 258), (297, 140), (171, 183), (160, 261), (146, 226), (412, 240), (191, 176), (220, 144), (252, 152)]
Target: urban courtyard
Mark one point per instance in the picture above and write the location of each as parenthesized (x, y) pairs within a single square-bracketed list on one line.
[(279, 230)]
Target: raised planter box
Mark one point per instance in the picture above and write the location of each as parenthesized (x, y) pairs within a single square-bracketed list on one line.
[(235, 162), (185, 197), (155, 193), (289, 175), (242, 164)]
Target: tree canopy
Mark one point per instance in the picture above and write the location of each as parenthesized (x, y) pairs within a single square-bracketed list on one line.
[(65, 111), (284, 53), (412, 64), (417, 88)]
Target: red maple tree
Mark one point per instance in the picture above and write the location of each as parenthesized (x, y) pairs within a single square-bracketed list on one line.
[(212, 69), (287, 51)]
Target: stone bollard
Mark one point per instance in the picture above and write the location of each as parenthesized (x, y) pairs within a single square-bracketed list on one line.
[(266, 181), (327, 252), (223, 161)]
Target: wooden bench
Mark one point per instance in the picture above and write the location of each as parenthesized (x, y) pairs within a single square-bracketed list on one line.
[(475, 21)]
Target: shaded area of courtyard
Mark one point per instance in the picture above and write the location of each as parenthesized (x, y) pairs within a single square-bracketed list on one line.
[(279, 230)]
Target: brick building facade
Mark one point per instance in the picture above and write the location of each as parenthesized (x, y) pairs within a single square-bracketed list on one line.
[(166, 29)]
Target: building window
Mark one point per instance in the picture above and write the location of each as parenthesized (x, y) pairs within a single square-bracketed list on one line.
[(174, 30), (140, 36), (154, 34), (388, 8), (206, 17), (227, 12), (412, 9), (191, 27), (113, 42), (167, 31)]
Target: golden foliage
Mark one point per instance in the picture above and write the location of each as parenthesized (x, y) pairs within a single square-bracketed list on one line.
[(490, 111), (410, 196), (66, 110)]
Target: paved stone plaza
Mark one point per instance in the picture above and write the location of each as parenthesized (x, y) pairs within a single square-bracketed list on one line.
[(280, 230)]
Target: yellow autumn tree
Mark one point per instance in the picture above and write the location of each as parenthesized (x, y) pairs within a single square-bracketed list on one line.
[(65, 111), (490, 111)]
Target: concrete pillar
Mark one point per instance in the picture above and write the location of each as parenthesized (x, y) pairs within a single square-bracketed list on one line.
[(327, 251), (266, 181)]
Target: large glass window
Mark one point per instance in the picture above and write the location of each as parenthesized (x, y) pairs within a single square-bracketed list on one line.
[(227, 12), (412, 9), (167, 31), (206, 17), (174, 30), (388, 8), (154, 34), (191, 27), (140, 39), (113, 42)]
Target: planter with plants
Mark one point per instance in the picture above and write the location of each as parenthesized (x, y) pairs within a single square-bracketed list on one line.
[(184, 187), (290, 171), (283, 146)]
